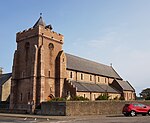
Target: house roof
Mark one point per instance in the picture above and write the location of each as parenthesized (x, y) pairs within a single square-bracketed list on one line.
[(4, 77), (84, 65), (125, 85), (92, 87)]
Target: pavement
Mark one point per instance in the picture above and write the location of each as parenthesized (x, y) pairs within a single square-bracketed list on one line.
[(49, 117), (59, 118), (34, 116), (30, 118)]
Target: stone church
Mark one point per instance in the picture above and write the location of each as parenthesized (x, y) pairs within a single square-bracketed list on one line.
[(42, 70)]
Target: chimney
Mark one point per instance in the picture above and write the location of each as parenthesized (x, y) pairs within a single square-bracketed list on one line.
[(1, 70)]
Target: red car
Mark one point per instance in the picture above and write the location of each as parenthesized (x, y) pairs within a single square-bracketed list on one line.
[(134, 109)]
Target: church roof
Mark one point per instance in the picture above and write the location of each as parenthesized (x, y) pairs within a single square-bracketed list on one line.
[(125, 85), (84, 65), (92, 87), (4, 77), (40, 21)]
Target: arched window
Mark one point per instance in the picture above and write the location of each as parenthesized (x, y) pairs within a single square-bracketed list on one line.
[(51, 46), (98, 78), (90, 77), (81, 76)]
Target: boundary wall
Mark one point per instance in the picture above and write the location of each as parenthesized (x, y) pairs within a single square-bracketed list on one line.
[(74, 108)]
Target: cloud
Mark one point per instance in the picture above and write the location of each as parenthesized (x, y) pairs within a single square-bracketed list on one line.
[(130, 55), (106, 40)]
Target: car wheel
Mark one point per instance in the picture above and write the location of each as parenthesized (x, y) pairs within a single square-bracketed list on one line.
[(132, 113), (148, 112)]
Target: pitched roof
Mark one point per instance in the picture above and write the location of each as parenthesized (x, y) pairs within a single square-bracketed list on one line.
[(125, 85), (4, 77), (40, 21), (84, 65), (92, 87)]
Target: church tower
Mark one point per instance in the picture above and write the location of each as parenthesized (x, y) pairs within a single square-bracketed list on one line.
[(36, 72)]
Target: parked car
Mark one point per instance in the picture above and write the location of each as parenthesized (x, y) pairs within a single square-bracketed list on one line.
[(134, 109)]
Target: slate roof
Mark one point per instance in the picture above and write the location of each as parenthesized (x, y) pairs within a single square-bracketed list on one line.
[(39, 22), (84, 65), (4, 77), (92, 87), (125, 85)]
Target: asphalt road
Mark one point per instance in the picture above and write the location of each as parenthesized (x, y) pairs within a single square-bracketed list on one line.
[(78, 119)]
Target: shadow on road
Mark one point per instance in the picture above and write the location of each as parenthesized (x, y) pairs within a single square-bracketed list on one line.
[(119, 115)]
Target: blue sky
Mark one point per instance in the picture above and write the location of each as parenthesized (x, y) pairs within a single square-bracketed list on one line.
[(105, 31)]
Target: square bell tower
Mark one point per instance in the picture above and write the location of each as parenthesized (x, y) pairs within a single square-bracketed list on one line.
[(34, 66)]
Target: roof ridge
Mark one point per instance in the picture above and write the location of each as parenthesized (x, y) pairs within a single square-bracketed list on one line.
[(87, 59), (89, 66)]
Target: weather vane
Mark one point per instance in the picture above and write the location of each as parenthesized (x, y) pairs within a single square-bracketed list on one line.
[(40, 14)]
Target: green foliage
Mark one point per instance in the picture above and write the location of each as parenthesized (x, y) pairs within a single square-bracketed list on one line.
[(145, 94), (78, 98), (147, 98), (57, 99), (104, 96), (121, 98)]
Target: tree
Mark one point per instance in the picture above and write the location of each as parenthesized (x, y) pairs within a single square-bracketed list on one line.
[(104, 96), (145, 94), (79, 98)]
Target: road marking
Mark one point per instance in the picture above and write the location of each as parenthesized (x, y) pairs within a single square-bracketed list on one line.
[(25, 118)]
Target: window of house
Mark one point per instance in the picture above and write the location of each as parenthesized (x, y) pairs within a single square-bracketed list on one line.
[(125, 95), (71, 76), (98, 78), (63, 60), (90, 77), (84, 95), (81, 76), (94, 96)]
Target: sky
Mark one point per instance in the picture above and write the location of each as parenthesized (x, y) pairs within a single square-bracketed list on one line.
[(105, 31)]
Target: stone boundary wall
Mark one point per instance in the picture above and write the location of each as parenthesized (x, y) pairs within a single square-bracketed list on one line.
[(74, 108)]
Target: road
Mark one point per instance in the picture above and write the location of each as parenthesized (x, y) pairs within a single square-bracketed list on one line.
[(77, 119)]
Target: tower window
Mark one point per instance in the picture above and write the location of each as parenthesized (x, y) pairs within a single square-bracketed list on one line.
[(98, 78), (27, 45), (49, 74), (51, 46), (21, 96), (28, 96)]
